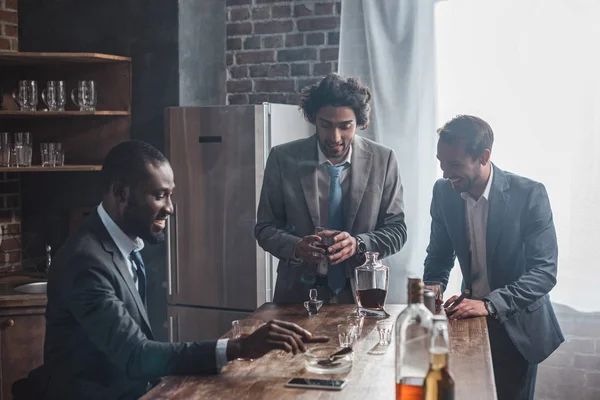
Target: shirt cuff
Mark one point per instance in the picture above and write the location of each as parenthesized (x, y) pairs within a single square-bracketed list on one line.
[(295, 262), (221, 353)]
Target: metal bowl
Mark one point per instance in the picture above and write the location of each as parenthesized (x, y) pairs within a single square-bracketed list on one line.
[(32, 288)]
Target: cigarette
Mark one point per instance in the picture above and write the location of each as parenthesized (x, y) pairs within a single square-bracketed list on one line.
[(317, 339), (462, 296)]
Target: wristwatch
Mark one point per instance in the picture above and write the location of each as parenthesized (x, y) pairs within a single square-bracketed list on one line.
[(361, 247), (490, 308)]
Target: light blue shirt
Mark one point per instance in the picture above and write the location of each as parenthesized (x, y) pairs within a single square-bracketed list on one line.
[(126, 245)]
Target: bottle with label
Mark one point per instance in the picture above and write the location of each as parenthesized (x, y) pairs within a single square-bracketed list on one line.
[(412, 344), (439, 384)]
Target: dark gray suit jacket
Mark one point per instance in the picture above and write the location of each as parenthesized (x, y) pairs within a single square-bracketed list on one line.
[(98, 343), (289, 208), (522, 255)]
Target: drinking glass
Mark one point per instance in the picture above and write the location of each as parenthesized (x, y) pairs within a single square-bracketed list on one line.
[(436, 288), (4, 149), (22, 149), (384, 328), (86, 95), (60, 154), (245, 327), (325, 242), (346, 335), (54, 96), (48, 154), (357, 321), (27, 96)]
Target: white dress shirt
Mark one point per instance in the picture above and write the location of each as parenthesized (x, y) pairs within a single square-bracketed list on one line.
[(123, 242), (126, 245), (476, 215)]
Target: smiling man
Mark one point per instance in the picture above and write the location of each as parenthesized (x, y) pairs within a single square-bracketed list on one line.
[(334, 179), (499, 225), (99, 344)]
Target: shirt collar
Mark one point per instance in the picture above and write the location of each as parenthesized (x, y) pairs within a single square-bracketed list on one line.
[(323, 158), (123, 242), (488, 187)]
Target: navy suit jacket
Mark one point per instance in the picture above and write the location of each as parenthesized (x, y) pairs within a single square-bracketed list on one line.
[(98, 343), (522, 255)]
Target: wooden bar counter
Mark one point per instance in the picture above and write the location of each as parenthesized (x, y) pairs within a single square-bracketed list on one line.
[(371, 377)]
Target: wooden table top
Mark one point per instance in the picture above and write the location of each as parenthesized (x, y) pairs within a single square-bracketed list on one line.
[(372, 376)]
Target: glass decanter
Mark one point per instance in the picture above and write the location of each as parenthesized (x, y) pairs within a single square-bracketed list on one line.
[(371, 287)]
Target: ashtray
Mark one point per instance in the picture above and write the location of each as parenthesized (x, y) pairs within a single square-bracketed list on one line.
[(317, 360)]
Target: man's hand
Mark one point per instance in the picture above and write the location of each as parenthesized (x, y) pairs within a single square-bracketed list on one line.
[(343, 247), (274, 335), (466, 309), (307, 249)]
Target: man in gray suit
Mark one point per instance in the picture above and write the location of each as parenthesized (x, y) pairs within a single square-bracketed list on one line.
[(334, 179), (98, 343), (500, 227)]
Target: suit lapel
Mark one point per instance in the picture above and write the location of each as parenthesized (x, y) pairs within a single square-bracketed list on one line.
[(121, 266), (307, 172), (361, 169), (498, 204), (455, 214)]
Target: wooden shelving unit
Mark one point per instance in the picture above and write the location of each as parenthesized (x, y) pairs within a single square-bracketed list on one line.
[(86, 136), (50, 114), (62, 168)]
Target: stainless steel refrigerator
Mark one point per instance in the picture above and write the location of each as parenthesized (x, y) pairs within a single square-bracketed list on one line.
[(216, 272)]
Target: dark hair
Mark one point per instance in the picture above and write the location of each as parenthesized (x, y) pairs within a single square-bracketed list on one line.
[(475, 132), (336, 91), (126, 163)]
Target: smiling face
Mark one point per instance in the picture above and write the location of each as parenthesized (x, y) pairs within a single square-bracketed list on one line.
[(148, 204), (466, 173), (336, 127)]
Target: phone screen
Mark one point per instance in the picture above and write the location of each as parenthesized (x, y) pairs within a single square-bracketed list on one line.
[(317, 383)]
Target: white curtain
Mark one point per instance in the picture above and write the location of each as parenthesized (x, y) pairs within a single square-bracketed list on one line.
[(531, 68), (389, 45)]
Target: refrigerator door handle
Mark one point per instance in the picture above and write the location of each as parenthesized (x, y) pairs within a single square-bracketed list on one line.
[(170, 328), (210, 139), (172, 253)]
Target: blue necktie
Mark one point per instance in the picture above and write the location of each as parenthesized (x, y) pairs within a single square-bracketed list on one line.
[(140, 270), (336, 275)]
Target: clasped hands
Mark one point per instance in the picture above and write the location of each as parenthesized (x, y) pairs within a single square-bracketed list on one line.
[(312, 248)]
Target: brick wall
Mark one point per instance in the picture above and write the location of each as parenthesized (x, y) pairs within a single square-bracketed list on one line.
[(8, 25), (277, 47), (10, 223), (573, 371), (10, 201)]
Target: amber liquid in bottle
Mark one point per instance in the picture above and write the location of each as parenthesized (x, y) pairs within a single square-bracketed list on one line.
[(412, 344), (439, 384), (409, 389)]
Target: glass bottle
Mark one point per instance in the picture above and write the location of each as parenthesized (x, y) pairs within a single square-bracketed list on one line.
[(439, 384), (371, 286), (412, 344)]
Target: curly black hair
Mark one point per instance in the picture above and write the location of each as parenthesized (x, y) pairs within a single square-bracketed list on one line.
[(336, 91)]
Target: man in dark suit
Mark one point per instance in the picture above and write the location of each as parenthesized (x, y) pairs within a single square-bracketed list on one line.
[(98, 343), (334, 179), (500, 227)]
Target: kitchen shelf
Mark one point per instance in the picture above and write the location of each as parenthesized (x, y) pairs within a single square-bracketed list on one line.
[(63, 168), (33, 58), (46, 114)]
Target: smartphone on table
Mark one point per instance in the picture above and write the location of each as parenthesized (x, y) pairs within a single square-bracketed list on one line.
[(311, 383)]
